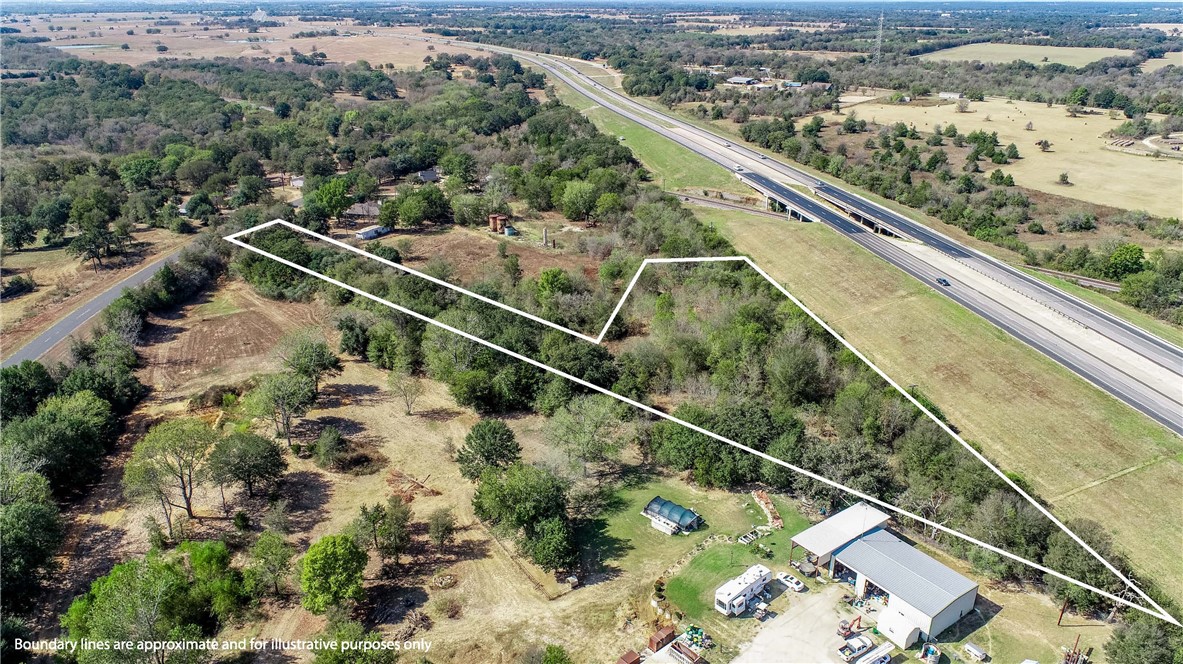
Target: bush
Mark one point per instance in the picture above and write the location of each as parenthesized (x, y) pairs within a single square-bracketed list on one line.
[(329, 447)]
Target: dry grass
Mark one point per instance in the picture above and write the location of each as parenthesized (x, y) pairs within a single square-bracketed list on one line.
[(1172, 58), (377, 46), (1074, 56), (1141, 183), (1002, 394)]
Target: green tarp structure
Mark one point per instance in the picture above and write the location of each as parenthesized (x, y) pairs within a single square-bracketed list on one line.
[(685, 518)]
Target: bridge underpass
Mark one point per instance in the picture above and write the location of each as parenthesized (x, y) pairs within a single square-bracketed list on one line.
[(780, 200)]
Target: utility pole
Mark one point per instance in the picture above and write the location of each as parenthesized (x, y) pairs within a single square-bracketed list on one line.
[(879, 41)]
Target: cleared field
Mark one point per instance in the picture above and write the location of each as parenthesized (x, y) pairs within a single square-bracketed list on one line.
[(64, 283), (1073, 56), (1144, 183), (1173, 58), (101, 37), (1001, 394)]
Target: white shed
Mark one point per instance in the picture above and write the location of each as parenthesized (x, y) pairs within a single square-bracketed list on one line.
[(371, 232)]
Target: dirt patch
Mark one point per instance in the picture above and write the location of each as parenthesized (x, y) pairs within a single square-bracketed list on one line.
[(222, 338)]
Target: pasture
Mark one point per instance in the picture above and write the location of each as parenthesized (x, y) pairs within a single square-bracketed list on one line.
[(1073, 56)]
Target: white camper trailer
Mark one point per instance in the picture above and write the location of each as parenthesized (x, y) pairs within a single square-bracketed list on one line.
[(731, 599)]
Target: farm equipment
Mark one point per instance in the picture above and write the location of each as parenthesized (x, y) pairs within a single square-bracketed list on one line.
[(846, 629)]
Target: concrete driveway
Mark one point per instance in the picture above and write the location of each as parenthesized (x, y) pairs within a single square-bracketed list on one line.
[(803, 634)]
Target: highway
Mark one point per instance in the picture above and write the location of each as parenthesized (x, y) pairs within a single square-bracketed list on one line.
[(1129, 363)]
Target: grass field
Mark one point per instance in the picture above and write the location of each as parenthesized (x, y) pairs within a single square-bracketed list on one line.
[(1001, 394), (1145, 183), (1073, 56), (1172, 58)]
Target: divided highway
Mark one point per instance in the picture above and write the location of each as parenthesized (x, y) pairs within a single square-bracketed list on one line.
[(1129, 363)]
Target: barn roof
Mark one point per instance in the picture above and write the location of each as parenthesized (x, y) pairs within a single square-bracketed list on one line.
[(904, 572)]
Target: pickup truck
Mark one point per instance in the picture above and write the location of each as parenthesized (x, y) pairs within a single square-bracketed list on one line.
[(854, 647)]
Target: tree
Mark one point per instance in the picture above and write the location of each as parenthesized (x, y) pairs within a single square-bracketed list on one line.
[(248, 459), (520, 496), (1067, 557), (67, 434), (578, 200), (406, 386), (286, 396), (554, 281), (172, 456), (306, 355), (352, 632), (549, 546), (331, 573), (137, 174), (24, 386), (31, 531), (489, 444), (441, 526), (334, 196), (1044, 145), (384, 528), (1125, 260), (588, 429), (329, 447), (1064, 179), (1138, 642), (269, 563), (18, 231)]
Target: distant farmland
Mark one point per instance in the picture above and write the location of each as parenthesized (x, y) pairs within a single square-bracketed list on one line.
[(1073, 56)]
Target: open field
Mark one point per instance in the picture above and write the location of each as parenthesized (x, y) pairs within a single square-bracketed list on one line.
[(999, 392), (1072, 56), (1077, 148), (64, 283), (99, 38), (1172, 58)]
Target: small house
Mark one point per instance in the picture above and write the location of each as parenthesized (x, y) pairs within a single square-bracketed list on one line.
[(816, 86), (429, 175), (366, 212), (742, 80), (670, 518), (298, 182), (371, 232), (732, 598), (792, 84)]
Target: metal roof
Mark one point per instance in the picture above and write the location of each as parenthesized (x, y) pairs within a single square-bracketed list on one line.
[(839, 529), (904, 572), (671, 512)]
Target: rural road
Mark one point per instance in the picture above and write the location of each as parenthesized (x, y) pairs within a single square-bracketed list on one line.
[(61, 330), (1127, 362)]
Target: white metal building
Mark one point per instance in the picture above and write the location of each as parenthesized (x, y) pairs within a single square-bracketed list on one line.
[(732, 598), (371, 232), (924, 597)]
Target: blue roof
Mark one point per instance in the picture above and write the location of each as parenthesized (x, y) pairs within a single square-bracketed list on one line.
[(671, 512), (904, 572)]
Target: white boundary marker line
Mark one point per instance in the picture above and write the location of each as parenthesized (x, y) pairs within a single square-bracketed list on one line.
[(1159, 612)]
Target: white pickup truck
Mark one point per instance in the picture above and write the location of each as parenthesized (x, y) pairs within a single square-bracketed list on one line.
[(855, 647)]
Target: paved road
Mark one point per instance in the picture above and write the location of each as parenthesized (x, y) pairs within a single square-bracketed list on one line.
[(61, 330), (1131, 364)]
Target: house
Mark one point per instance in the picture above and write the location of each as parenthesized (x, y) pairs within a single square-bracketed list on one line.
[(429, 175), (764, 86), (298, 182), (950, 95), (793, 84), (732, 598), (742, 80), (923, 596), (670, 518), (816, 86), (371, 232), (364, 212)]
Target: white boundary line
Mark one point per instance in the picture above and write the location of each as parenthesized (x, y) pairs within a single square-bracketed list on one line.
[(1159, 612)]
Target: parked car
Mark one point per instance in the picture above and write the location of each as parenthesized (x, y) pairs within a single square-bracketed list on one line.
[(790, 581)]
